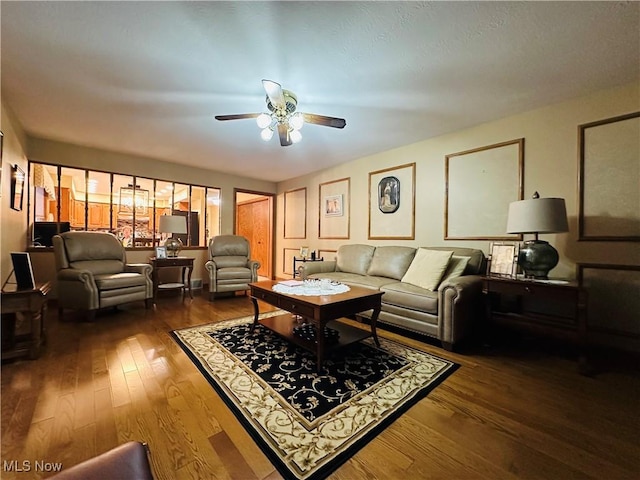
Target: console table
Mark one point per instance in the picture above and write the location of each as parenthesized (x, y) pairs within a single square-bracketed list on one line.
[(546, 307), (32, 303), (186, 266)]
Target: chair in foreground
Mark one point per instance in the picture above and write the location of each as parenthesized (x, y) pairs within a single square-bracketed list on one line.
[(129, 461), (93, 273), (229, 266)]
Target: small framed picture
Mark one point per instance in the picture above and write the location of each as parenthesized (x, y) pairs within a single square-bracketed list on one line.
[(161, 252), (304, 252), (333, 206), (503, 259)]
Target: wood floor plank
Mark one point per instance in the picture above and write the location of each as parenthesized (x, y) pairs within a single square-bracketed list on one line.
[(509, 411)]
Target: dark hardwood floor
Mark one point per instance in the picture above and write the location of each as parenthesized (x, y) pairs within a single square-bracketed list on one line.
[(512, 411)]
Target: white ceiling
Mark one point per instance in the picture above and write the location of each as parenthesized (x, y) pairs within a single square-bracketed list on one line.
[(147, 78)]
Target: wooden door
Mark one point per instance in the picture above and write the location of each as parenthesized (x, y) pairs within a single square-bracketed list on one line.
[(253, 222)]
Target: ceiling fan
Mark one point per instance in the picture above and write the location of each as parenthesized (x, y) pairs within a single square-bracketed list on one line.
[(283, 117)]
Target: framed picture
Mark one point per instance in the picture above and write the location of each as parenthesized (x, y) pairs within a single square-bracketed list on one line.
[(161, 252), (392, 203), (503, 259), (389, 194), (608, 179), (17, 187), (23, 270), (333, 216), (333, 206), (304, 252), (479, 185)]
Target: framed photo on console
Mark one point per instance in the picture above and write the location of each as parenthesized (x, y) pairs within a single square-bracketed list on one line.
[(503, 259), (161, 252), (23, 270)]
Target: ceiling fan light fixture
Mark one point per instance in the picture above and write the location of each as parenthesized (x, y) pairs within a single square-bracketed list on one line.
[(263, 120), (296, 121), (266, 134), (295, 136)]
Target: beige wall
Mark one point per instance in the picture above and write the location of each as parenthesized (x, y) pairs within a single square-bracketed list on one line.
[(13, 234), (551, 168)]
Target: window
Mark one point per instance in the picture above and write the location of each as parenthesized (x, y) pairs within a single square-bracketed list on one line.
[(65, 198)]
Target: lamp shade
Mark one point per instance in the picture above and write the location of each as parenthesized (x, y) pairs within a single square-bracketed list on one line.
[(538, 215), (173, 224)]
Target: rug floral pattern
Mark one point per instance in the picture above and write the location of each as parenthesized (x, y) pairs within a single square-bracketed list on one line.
[(304, 420)]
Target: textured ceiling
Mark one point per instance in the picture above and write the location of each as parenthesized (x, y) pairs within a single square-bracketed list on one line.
[(147, 78)]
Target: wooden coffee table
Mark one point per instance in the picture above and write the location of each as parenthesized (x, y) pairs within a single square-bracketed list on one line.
[(319, 310)]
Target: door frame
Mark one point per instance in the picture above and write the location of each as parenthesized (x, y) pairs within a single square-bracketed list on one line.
[(272, 220)]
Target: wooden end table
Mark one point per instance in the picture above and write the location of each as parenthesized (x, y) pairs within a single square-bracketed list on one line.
[(32, 303), (318, 310), (561, 309), (186, 266)]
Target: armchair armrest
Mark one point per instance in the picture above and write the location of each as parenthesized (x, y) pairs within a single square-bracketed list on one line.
[(459, 305), (70, 286), (309, 268), (254, 265), (143, 268)]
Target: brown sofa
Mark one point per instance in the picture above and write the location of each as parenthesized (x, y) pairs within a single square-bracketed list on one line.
[(449, 312)]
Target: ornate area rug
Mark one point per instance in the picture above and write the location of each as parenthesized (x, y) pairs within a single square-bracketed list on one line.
[(309, 423)]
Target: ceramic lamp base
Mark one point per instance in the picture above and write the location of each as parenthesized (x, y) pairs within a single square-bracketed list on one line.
[(537, 258), (173, 245)]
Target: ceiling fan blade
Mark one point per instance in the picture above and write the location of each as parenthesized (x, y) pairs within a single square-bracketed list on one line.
[(274, 92), (283, 132), (238, 116), (325, 121)]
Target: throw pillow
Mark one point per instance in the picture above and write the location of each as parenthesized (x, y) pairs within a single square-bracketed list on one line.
[(427, 268), (454, 269)]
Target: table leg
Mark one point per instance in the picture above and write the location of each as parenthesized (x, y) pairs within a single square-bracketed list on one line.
[(256, 313), (374, 321), (189, 282), (155, 284)]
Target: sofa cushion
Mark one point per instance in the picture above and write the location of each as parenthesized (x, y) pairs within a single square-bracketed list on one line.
[(427, 268), (354, 279), (455, 268), (409, 296), (391, 262), (354, 258)]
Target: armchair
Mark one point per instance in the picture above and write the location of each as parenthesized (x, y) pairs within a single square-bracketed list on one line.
[(230, 268), (92, 273)]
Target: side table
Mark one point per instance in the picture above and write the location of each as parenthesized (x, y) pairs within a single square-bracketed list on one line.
[(186, 266), (32, 303), (552, 308), (297, 260)]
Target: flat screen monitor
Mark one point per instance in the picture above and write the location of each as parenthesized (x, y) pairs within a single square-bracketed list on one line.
[(43, 232), (23, 270)]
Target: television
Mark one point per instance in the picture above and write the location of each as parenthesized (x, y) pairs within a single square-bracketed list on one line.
[(43, 232)]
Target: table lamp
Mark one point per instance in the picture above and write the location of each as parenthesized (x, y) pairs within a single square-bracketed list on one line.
[(537, 215), (173, 224)]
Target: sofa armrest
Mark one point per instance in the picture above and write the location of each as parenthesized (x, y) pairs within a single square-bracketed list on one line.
[(309, 268), (459, 306)]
